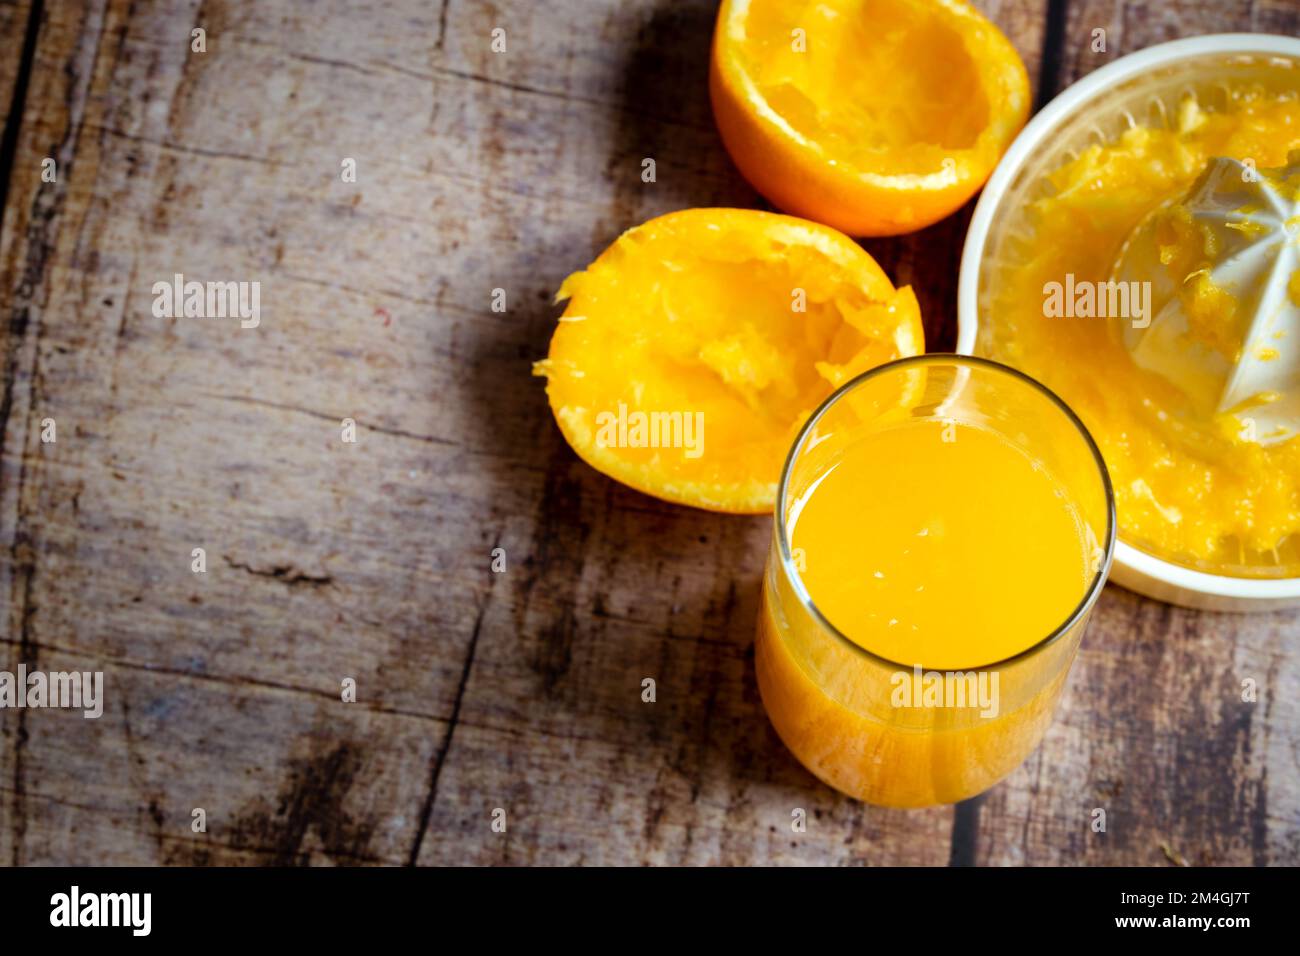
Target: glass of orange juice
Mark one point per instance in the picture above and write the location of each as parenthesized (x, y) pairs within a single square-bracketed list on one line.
[(944, 525)]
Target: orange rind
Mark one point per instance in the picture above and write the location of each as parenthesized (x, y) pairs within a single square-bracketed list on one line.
[(877, 117), (693, 349)]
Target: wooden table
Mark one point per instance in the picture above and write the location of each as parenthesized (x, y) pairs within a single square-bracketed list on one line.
[(328, 560)]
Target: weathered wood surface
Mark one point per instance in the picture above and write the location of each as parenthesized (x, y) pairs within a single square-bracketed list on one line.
[(327, 560)]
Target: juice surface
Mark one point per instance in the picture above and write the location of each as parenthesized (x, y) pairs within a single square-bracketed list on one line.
[(968, 555)]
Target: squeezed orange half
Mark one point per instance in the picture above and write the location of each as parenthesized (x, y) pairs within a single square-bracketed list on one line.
[(877, 117), (692, 350)]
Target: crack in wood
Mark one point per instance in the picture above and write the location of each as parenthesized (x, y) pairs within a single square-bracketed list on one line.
[(327, 61), (1053, 51), (442, 26), (440, 756), (236, 682), (22, 555), (187, 150), (284, 573), (325, 416), (14, 120)]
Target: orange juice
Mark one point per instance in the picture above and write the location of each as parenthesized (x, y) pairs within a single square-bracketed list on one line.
[(930, 580), (942, 545)]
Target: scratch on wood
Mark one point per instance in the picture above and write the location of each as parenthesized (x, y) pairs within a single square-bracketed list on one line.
[(440, 43), (185, 150), (440, 757), (325, 416), (326, 61), (236, 683), (566, 97), (368, 292), (284, 573)]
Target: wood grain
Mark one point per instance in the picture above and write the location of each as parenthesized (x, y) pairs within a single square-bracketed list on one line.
[(15, 15), (477, 691)]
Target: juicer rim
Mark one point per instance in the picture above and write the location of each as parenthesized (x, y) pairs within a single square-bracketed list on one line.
[(1134, 568), (1090, 594)]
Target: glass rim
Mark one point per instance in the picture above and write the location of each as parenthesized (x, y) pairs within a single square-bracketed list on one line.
[(1091, 593)]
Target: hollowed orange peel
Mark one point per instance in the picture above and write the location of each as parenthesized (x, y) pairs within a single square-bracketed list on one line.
[(877, 117), (692, 350)]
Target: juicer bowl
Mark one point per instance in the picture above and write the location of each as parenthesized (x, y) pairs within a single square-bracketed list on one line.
[(1133, 89)]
